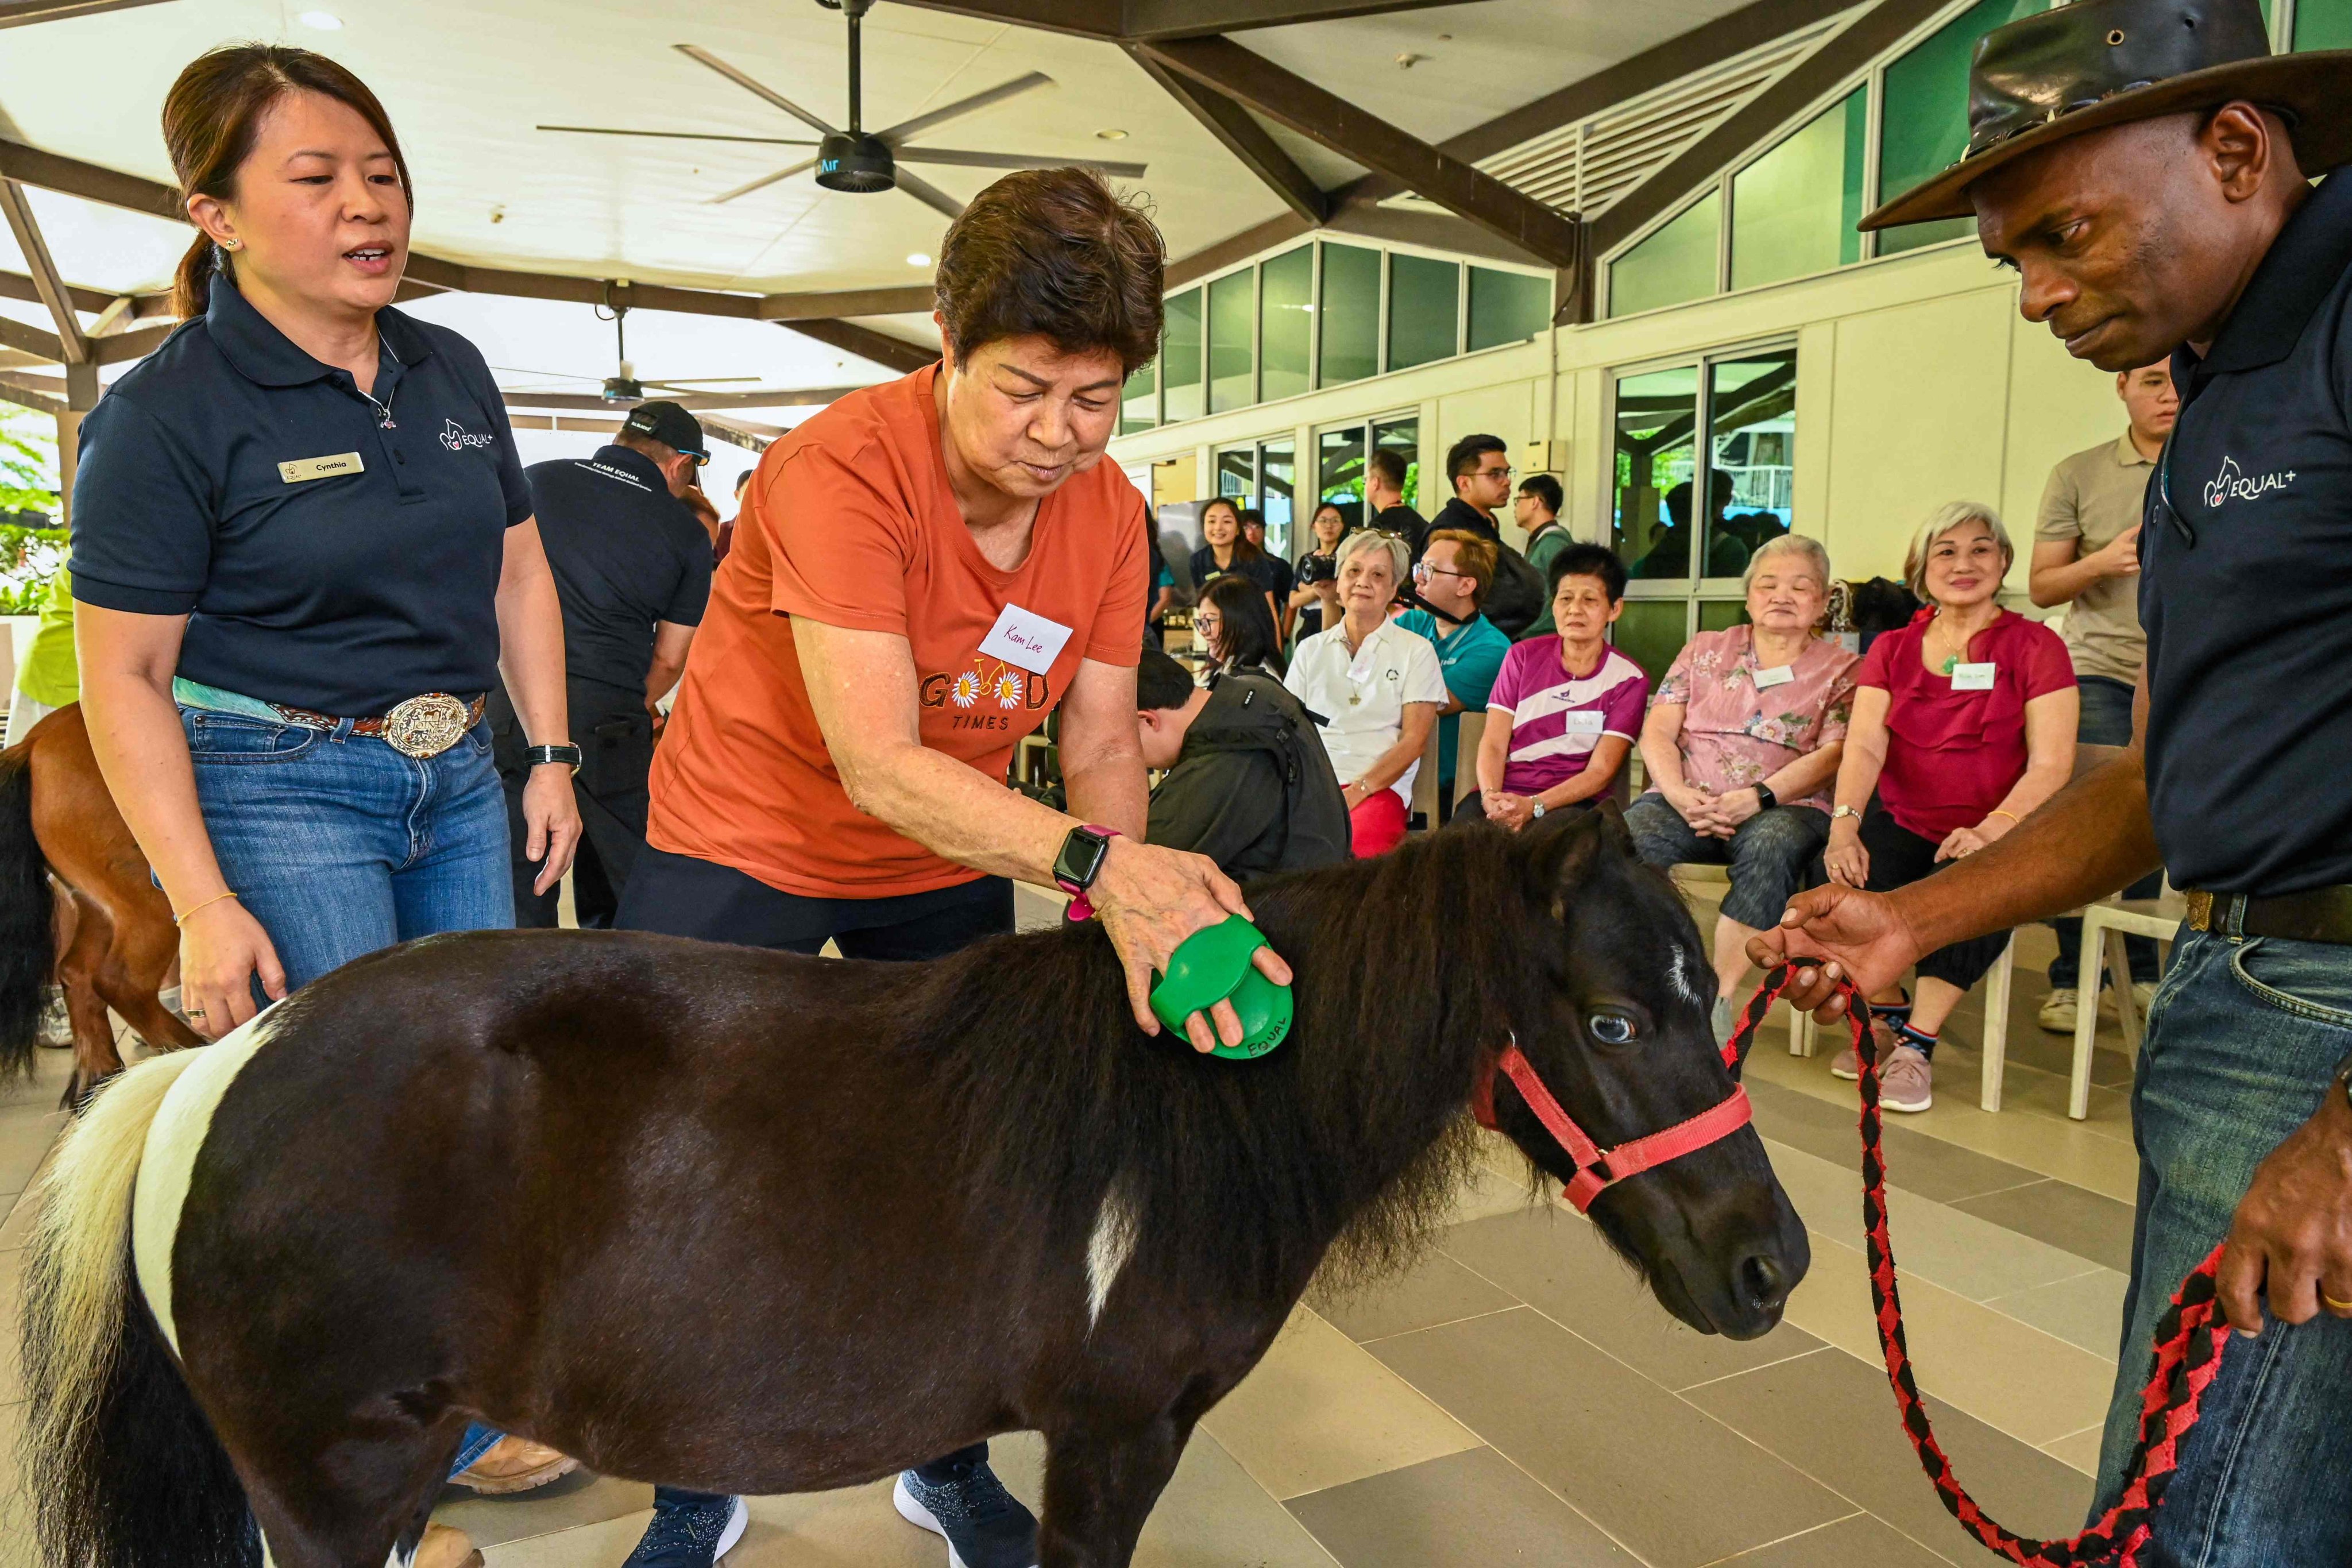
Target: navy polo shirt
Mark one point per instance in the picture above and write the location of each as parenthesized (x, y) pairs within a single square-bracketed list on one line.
[(625, 553), (330, 552), (2246, 580)]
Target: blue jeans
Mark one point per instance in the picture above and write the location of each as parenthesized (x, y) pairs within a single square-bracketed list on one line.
[(339, 846), (2242, 1041), (1768, 854), (2106, 721)]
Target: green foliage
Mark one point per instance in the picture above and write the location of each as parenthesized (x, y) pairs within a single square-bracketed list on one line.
[(27, 457), (29, 560)]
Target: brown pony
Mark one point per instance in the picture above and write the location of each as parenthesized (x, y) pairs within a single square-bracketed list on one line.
[(768, 1224), (57, 820)]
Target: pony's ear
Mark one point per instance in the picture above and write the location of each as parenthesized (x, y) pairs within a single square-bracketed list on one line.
[(1562, 851), (1612, 823)]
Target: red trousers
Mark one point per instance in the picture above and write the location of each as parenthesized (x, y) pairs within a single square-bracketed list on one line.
[(1377, 825)]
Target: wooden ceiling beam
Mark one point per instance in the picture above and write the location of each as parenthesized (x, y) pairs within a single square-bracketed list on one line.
[(895, 354), (1240, 135), (1846, 55), (15, 334), (121, 346), (25, 13), (24, 396), (1290, 100), (51, 288)]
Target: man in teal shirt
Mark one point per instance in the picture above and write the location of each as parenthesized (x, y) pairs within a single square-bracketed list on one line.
[(1455, 572)]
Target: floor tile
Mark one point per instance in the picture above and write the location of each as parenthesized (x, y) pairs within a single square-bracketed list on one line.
[(1497, 1187), (1467, 1510), (1856, 1541), (2080, 1450), (1834, 1417), (2086, 1224), (578, 1498), (1434, 1291), (2086, 1310), (1320, 1411), (1674, 1485), (2031, 1385), (1558, 1264), (1915, 1162)]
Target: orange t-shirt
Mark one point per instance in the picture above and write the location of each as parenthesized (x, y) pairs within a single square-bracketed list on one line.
[(850, 522)]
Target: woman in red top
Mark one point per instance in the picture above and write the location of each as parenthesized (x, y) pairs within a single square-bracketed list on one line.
[(1963, 721), (921, 573)]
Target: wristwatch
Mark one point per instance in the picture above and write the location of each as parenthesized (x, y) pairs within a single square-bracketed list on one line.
[(1855, 812), (1084, 850), (1765, 799), (1535, 809), (567, 753)]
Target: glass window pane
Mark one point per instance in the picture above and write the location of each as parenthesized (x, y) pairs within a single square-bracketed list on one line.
[(1277, 468), (1793, 210), (1424, 309), (1506, 307), (1676, 264), (1351, 314), (1285, 317), (1651, 522), (2323, 24), (1651, 632), (1140, 405), (1180, 360), (1752, 407), (1231, 385), (1926, 114), (1402, 437), (1237, 474), (1721, 615), (1340, 469)]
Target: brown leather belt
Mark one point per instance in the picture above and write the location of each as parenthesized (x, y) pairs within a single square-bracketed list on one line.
[(2322, 914), (421, 727)]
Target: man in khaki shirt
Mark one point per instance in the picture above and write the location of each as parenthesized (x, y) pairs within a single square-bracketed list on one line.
[(2087, 556)]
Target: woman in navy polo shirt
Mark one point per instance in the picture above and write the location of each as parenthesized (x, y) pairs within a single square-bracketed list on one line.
[(302, 543)]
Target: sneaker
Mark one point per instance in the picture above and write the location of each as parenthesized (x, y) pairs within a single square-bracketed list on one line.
[(693, 1529), (442, 1547), (1847, 1064), (2060, 1009), (514, 1465), (1906, 1083), (985, 1526)]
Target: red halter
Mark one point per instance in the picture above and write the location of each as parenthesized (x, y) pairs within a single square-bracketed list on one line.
[(1592, 1161)]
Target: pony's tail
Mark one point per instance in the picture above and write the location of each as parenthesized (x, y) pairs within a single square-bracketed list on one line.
[(27, 939), (122, 1468)]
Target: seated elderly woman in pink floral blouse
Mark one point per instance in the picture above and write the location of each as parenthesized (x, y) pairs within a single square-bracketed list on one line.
[(1742, 745)]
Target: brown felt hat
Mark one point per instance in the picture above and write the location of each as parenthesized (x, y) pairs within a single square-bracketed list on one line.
[(2097, 63)]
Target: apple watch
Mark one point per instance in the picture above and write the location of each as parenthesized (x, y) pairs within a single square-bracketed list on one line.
[(1084, 850)]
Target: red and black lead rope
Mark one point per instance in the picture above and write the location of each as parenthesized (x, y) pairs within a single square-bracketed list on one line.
[(2189, 1345)]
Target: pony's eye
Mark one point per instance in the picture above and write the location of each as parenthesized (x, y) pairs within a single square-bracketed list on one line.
[(1611, 1028)]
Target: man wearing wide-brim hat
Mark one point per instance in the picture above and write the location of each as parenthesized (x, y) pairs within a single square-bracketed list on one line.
[(2145, 166)]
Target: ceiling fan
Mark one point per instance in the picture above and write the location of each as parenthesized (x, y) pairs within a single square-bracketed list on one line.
[(857, 160), (624, 386)]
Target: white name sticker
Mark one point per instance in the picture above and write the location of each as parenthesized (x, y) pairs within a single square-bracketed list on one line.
[(303, 469), (1025, 639), (1581, 721), (1972, 677), (1780, 676)]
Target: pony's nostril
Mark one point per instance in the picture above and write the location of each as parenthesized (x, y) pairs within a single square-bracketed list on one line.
[(1763, 1281)]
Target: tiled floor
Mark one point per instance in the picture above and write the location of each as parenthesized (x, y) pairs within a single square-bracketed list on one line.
[(1517, 1398)]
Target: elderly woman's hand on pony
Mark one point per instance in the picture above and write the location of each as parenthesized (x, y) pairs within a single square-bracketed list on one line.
[(1149, 899)]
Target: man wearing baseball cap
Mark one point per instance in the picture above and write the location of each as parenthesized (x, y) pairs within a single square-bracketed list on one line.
[(628, 542), (2145, 166)]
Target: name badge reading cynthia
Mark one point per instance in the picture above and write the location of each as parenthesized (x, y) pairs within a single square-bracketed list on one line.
[(304, 469)]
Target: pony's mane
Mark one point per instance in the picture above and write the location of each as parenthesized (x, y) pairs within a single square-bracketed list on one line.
[(1238, 1176)]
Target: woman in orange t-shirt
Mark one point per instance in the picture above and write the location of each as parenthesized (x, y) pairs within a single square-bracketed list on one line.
[(920, 574)]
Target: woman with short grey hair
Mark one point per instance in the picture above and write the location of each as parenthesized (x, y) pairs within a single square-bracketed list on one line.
[(1741, 742)]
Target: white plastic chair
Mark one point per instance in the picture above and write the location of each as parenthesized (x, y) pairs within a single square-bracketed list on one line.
[(2104, 925)]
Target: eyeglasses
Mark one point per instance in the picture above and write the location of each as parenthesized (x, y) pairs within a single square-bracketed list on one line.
[(1423, 569), (1504, 472)]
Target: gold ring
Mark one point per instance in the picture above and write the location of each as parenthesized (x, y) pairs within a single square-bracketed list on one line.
[(2334, 1305)]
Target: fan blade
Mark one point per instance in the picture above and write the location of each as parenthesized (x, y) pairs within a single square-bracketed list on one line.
[(930, 195), (550, 374), (978, 101), (958, 158), (689, 383), (762, 182), (675, 135), (704, 56)]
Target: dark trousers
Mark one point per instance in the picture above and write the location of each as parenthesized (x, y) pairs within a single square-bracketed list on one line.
[(615, 736), (2106, 721), (678, 895), (1899, 857)]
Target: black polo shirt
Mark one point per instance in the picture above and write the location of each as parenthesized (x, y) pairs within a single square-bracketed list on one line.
[(625, 553), (324, 557), (2247, 593)]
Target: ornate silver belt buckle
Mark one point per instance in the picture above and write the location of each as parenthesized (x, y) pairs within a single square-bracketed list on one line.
[(425, 726)]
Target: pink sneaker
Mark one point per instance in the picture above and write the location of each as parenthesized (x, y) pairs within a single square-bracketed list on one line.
[(1847, 1064), (1906, 1083)]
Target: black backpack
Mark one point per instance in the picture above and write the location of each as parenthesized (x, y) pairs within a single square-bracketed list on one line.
[(1517, 600)]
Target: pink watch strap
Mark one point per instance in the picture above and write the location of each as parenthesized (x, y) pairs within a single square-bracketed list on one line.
[(1081, 906)]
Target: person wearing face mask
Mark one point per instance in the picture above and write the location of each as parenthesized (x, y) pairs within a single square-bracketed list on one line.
[(921, 573), (303, 553), (1963, 723)]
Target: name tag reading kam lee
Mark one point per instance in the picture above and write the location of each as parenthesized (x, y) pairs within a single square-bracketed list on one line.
[(1780, 676), (303, 469), (1025, 639), (1972, 677)]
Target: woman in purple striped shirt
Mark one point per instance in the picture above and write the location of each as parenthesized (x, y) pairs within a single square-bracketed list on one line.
[(1566, 708)]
